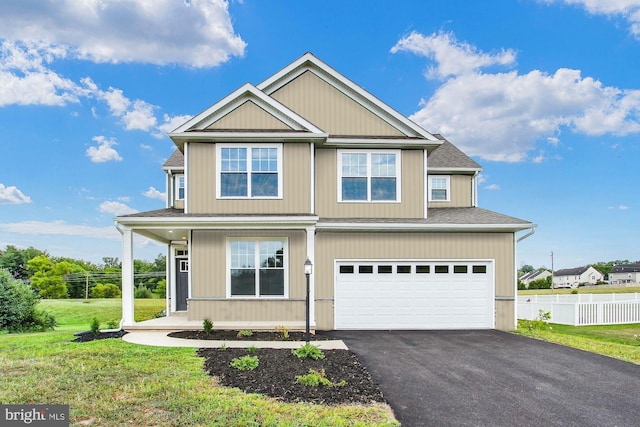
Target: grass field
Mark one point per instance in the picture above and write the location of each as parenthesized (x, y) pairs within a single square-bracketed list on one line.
[(594, 290), (111, 382), (618, 341)]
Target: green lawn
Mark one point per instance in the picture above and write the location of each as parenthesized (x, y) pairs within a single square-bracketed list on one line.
[(111, 382), (618, 341), (594, 290)]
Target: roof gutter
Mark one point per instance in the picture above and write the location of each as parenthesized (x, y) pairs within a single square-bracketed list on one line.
[(533, 230)]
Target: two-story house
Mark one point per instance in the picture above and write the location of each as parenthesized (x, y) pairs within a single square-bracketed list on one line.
[(309, 165), (574, 277), (625, 274)]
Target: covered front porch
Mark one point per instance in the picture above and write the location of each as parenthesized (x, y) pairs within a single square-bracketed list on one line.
[(189, 261)]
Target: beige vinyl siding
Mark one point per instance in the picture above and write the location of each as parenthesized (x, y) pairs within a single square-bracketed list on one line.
[(209, 278), (412, 190), (460, 193), (246, 312), (249, 116), (332, 246), (178, 204), (329, 109), (202, 177)]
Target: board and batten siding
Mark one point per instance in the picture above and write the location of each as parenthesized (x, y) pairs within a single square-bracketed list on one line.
[(331, 110), (201, 185), (249, 116), (461, 196), (412, 188), (397, 246), (209, 279)]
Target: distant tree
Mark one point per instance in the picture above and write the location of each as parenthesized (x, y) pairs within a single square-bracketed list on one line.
[(526, 269), (107, 290), (606, 267), (47, 277), (15, 260), (111, 262)]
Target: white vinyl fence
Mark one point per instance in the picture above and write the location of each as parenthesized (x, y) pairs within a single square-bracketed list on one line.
[(582, 309)]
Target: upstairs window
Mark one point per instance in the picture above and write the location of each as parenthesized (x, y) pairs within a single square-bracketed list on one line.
[(368, 176), (249, 171), (439, 188), (179, 187)]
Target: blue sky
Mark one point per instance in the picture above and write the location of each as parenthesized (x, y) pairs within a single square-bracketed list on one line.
[(544, 94)]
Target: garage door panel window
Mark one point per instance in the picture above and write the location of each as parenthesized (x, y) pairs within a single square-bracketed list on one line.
[(441, 269), (257, 268)]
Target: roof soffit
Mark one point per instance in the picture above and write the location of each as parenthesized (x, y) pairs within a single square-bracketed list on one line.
[(308, 62)]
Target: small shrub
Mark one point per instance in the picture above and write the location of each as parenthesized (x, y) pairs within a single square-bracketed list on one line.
[(107, 290), (252, 349), (94, 326), (540, 323), (315, 379), (284, 331), (207, 326), (245, 333), (245, 363), (223, 347), (159, 314), (574, 291), (18, 312), (308, 351), (143, 292), (112, 324)]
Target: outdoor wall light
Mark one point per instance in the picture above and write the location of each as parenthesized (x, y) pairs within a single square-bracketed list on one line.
[(308, 269)]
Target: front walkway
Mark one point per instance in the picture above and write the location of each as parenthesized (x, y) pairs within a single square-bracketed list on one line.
[(160, 339), (179, 322)]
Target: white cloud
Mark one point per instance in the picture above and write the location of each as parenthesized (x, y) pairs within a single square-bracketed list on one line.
[(171, 123), (153, 193), (104, 152), (452, 57), (196, 33), (502, 116), (627, 9), (60, 228), (116, 208), (492, 187), (25, 78), (620, 207), (12, 196)]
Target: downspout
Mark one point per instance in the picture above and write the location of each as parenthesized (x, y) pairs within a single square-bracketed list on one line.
[(515, 273)]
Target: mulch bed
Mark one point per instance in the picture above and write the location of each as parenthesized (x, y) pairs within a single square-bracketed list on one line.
[(90, 336), (229, 335), (276, 373)]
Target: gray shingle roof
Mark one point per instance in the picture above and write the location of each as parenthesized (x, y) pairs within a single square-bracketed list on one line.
[(448, 156), (439, 216), (577, 271), (626, 268), (175, 161)]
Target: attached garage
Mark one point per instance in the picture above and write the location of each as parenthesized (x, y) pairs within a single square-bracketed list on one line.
[(414, 294)]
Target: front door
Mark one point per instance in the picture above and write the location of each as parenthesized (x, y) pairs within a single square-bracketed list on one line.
[(182, 283)]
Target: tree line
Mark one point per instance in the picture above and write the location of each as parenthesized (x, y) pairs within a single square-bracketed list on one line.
[(61, 277)]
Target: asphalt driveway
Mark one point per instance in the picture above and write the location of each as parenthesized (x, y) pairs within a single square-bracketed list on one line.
[(492, 378)]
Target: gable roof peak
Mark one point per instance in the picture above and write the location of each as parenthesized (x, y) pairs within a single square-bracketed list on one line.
[(310, 62)]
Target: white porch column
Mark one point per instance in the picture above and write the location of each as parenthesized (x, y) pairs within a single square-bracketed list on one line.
[(127, 277), (311, 249)]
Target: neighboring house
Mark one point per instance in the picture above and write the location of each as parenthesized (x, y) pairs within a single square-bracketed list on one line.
[(309, 165), (625, 273), (539, 274), (574, 277)]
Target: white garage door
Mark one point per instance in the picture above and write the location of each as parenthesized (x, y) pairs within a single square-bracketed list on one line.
[(414, 294)]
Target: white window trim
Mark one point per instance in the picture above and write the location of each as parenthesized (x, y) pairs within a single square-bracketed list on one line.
[(249, 147), (397, 153), (448, 189), (176, 186), (285, 262)]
